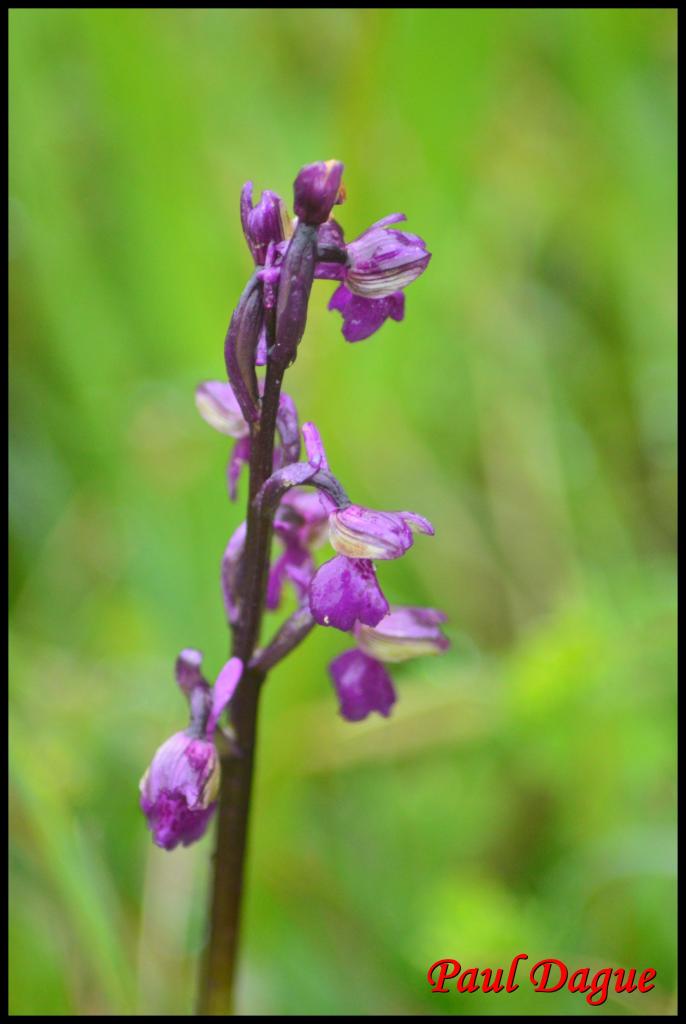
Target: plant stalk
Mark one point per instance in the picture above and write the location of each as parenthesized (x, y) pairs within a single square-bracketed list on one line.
[(219, 963)]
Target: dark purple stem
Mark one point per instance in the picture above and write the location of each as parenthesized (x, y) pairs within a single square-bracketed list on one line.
[(217, 983), (285, 326), (291, 633)]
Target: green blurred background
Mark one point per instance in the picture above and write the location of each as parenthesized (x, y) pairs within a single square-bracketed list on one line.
[(521, 796)]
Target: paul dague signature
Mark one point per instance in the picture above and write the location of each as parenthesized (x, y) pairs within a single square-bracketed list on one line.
[(545, 976)]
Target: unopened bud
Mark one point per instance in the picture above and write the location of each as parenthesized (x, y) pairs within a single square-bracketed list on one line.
[(317, 188)]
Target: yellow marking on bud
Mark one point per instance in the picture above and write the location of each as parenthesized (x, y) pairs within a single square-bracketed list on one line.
[(211, 790)]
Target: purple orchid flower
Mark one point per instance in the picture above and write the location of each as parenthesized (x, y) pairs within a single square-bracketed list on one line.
[(361, 681), (345, 589), (179, 789), (381, 263)]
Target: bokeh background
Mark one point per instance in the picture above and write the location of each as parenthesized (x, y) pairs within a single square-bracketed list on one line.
[(521, 796)]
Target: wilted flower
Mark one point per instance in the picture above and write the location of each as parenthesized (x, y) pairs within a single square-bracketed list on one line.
[(179, 789)]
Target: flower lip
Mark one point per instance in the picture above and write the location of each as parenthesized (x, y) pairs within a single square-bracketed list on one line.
[(344, 591), (363, 685), (218, 406), (362, 317), (405, 633)]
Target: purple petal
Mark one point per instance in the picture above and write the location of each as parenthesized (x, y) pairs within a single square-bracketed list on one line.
[(246, 209), (363, 685), (405, 633), (264, 223), (383, 261), (418, 524), (303, 517), (396, 305), (329, 239), (344, 591), (223, 690), (187, 670), (219, 407), (314, 446), (171, 821), (390, 218), (363, 316), (295, 564), (186, 765)]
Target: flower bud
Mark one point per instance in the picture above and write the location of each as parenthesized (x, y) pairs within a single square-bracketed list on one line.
[(317, 188), (263, 223), (179, 790), (405, 633)]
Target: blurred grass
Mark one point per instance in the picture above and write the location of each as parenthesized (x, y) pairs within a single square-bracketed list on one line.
[(522, 796)]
